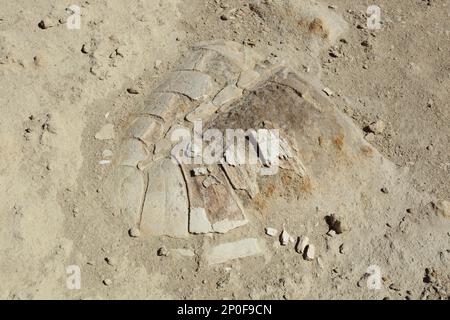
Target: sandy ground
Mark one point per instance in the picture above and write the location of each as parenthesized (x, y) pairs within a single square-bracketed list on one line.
[(60, 86)]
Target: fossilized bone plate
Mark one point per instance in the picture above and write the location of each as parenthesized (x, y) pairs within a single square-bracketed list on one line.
[(229, 86)]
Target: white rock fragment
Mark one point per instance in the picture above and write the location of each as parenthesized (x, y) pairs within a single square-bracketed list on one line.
[(271, 231), (284, 238), (106, 132), (331, 233), (320, 262), (377, 127), (310, 252), (302, 243), (200, 171), (103, 162), (162, 252), (107, 282), (233, 250), (443, 208), (134, 232), (328, 92), (198, 221)]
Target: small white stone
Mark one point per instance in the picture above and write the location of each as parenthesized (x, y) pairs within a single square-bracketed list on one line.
[(284, 238), (320, 263), (328, 92), (103, 162), (134, 232), (302, 243), (107, 282), (200, 171), (310, 252), (377, 127), (106, 132), (162, 252), (271, 232), (331, 233), (443, 208)]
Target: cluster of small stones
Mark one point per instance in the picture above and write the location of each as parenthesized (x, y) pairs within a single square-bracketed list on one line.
[(302, 244), (165, 198)]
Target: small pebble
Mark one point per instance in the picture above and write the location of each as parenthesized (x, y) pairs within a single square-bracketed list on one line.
[(85, 48), (328, 92), (200, 171), (132, 91), (162, 252), (377, 127), (107, 282), (271, 231), (331, 233), (284, 238), (302, 243), (365, 43), (111, 261), (46, 23), (134, 232), (310, 252)]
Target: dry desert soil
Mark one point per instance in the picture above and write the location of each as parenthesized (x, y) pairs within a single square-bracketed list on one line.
[(368, 186)]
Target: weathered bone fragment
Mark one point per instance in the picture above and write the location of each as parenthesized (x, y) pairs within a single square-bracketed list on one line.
[(132, 152), (233, 250), (203, 112), (227, 95), (146, 129), (290, 159), (199, 222), (222, 206), (164, 105), (165, 210), (248, 79), (193, 84), (242, 177), (127, 189)]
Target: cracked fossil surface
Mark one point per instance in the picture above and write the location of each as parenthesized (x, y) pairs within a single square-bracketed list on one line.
[(228, 86)]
